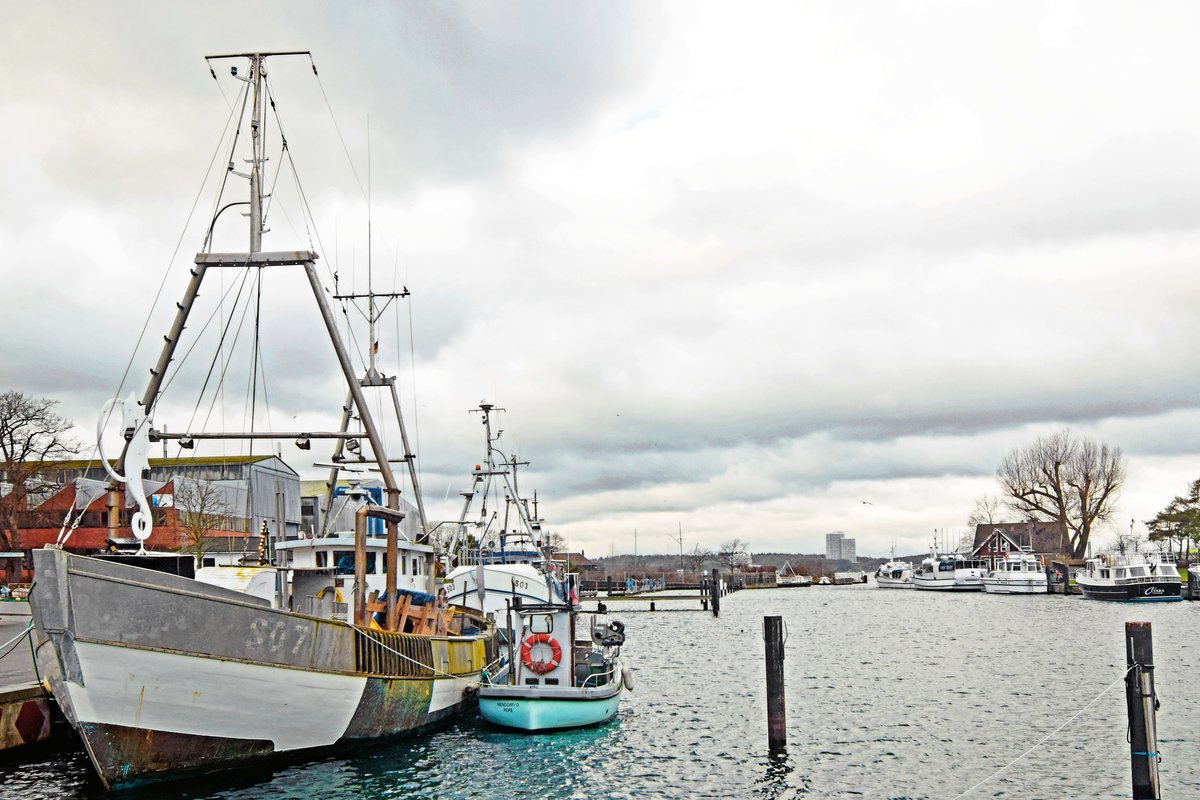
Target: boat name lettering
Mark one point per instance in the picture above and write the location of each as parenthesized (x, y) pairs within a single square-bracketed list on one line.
[(271, 634), (1154, 590)]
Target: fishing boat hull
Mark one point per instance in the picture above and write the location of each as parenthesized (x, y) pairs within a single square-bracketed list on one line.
[(160, 674), (542, 710), (1150, 592), (502, 582)]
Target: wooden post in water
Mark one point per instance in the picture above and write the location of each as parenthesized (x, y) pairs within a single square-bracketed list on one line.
[(776, 707), (1140, 699), (714, 591)]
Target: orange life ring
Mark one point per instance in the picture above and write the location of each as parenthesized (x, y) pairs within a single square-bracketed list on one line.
[(540, 667)]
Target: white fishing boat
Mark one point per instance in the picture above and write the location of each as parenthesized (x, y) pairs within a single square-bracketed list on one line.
[(497, 558), (894, 574), (564, 671), (161, 674), (1019, 572), (789, 578), (1131, 576), (952, 572)]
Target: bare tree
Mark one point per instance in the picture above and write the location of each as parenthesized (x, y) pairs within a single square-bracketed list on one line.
[(733, 553), (695, 558), (203, 510), (987, 511), (30, 432), (1064, 478), (556, 542)]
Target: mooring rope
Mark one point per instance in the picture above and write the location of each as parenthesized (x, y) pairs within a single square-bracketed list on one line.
[(1049, 735), (429, 667), (14, 641)]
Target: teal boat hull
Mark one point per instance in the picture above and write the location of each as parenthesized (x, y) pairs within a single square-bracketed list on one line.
[(509, 710)]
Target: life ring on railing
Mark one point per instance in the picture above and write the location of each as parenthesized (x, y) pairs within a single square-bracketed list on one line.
[(540, 667)]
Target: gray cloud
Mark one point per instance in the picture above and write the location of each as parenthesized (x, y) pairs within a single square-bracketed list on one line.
[(736, 268)]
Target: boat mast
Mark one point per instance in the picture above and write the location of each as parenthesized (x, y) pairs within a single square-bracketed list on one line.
[(256, 258)]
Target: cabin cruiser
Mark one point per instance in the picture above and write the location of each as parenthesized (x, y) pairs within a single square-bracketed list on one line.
[(1019, 573), (893, 574), (953, 572), (1130, 577)]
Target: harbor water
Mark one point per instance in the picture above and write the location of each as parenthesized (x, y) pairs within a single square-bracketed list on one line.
[(890, 694)]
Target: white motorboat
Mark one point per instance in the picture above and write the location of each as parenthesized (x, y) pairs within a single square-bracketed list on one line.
[(1020, 572), (953, 572), (1130, 577), (894, 574)]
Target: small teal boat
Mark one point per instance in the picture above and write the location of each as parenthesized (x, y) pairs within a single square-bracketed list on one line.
[(563, 671)]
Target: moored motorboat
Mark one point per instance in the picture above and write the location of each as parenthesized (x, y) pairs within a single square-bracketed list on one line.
[(953, 572), (564, 671), (1130, 577), (894, 574), (1018, 573)]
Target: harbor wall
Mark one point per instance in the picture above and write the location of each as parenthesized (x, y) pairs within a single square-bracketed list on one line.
[(24, 716)]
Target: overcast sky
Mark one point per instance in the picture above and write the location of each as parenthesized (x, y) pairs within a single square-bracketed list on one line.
[(731, 267)]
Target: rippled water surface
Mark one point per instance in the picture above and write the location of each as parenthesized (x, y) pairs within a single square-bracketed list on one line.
[(891, 694)]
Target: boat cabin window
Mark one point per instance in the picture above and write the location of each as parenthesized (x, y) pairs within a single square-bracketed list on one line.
[(344, 561), (541, 623), (415, 570), (946, 566), (321, 562), (1139, 571)]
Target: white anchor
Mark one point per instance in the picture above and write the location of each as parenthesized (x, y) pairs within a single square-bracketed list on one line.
[(137, 460)]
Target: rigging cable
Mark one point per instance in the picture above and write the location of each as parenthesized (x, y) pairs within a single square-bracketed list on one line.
[(183, 359), (171, 263), (237, 134), (220, 389), (217, 355)]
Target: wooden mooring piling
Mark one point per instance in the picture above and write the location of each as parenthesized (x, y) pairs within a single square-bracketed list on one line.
[(776, 702), (1142, 704)]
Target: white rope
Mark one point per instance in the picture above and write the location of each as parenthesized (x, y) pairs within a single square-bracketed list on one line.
[(16, 639), (1041, 741)]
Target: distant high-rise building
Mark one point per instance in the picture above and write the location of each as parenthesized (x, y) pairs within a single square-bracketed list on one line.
[(848, 550), (839, 548), (833, 545)]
